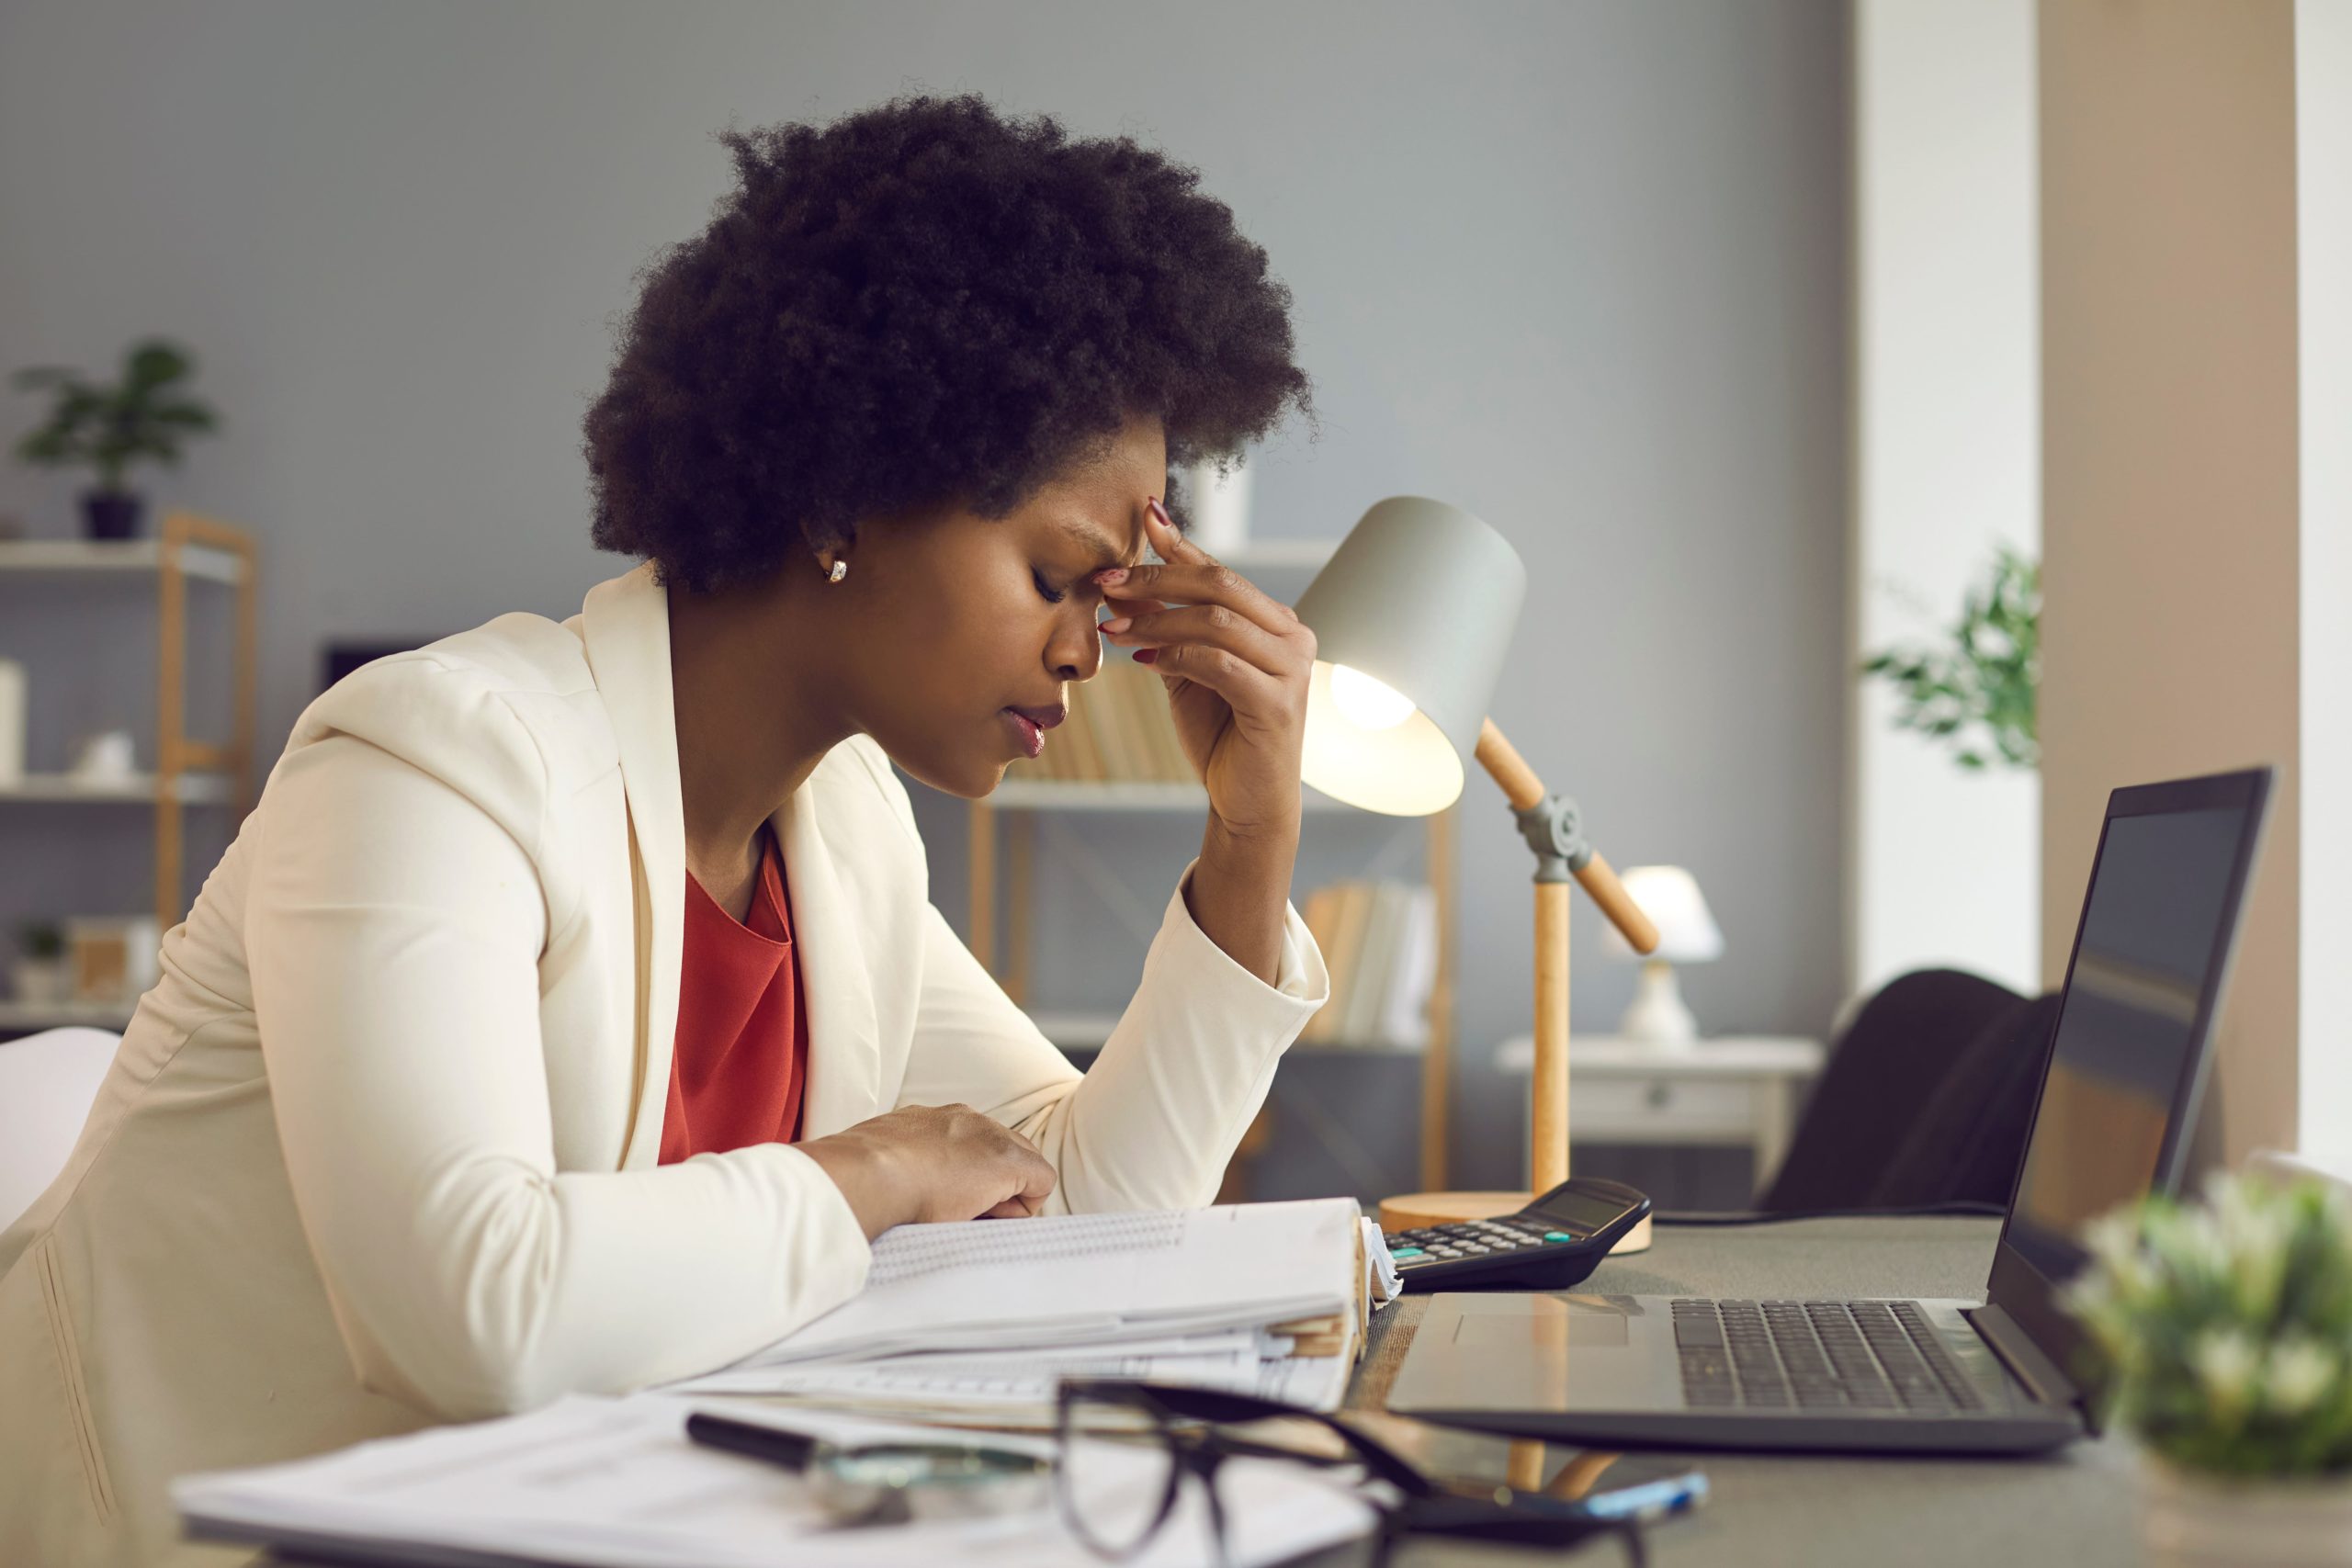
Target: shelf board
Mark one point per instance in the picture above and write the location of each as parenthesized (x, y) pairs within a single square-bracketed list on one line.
[(116, 556), (139, 789), (1091, 795), (30, 1016), (1087, 1030)]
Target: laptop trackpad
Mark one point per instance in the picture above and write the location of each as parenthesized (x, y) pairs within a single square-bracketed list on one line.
[(1505, 1351), (1584, 1323)]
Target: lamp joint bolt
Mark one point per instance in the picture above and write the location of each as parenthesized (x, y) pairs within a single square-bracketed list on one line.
[(1555, 831)]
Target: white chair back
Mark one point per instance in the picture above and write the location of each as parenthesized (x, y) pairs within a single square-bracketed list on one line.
[(46, 1084)]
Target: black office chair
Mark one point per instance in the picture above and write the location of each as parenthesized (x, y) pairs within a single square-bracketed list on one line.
[(1924, 1099)]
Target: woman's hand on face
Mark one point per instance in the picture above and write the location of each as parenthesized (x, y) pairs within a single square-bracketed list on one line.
[(1236, 664), (932, 1162)]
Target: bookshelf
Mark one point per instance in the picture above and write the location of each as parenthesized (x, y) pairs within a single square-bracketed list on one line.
[(1131, 770), (189, 548)]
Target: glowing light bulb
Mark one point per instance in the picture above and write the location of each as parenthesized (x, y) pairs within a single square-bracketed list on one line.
[(1366, 703)]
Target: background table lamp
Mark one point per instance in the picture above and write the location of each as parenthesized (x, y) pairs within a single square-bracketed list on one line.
[(1412, 619), (1669, 896)]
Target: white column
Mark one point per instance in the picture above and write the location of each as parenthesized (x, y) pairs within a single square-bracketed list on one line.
[(1944, 865), (2323, 292)]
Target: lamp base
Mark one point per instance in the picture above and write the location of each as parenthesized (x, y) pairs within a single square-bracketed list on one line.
[(1658, 1016), (1414, 1210)]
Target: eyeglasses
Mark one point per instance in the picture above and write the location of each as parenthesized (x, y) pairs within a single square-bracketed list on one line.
[(1126, 1449)]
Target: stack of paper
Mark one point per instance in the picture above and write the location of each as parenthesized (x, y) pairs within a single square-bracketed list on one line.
[(616, 1484), (978, 1321)]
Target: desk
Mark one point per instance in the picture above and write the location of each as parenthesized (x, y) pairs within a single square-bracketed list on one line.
[(2077, 1508), (1740, 1091)]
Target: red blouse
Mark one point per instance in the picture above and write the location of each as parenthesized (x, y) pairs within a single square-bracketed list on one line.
[(741, 1060)]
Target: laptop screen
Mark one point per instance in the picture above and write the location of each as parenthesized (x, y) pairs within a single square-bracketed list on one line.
[(2120, 1091)]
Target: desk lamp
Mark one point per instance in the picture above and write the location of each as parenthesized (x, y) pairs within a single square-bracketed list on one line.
[(1412, 618), (1669, 896)]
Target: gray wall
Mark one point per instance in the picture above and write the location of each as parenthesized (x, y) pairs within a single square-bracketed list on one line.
[(1579, 267)]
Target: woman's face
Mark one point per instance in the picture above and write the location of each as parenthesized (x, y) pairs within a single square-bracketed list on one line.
[(969, 628)]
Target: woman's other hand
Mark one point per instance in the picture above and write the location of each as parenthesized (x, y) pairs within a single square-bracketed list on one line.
[(932, 1162), (1236, 664)]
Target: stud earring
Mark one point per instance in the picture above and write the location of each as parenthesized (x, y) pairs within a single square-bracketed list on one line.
[(840, 570)]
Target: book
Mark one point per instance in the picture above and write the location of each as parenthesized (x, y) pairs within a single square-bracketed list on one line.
[(1353, 906), (1412, 975), (1359, 1023)]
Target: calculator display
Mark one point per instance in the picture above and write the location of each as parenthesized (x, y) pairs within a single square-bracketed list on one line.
[(1583, 1213)]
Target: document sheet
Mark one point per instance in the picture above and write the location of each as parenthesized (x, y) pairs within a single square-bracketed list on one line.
[(616, 1484), (1080, 1280)]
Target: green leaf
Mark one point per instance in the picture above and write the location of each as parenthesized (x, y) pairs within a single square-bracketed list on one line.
[(110, 428), (1985, 680), (153, 363)]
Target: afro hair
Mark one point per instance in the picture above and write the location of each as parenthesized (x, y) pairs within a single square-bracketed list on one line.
[(923, 303)]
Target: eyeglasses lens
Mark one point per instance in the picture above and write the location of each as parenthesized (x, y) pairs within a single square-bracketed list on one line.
[(1116, 1477)]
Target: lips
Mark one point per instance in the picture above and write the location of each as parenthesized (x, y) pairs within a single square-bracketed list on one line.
[(1030, 724)]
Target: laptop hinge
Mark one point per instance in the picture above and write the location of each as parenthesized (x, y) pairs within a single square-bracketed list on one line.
[(2024, 1359)]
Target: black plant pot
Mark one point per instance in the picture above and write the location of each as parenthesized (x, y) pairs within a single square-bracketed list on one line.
[(111, 514)]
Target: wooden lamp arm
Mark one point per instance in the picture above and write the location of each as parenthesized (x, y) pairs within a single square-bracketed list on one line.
[(1524, 790)]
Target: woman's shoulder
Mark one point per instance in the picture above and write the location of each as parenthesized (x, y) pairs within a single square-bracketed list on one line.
[(516, 692)]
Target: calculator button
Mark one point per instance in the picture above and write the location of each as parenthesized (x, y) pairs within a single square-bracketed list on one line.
[(1405, 1252), (1557, 1236)]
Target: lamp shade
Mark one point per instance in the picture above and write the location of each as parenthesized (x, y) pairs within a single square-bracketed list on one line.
[(1413, 617), (1669, 896)]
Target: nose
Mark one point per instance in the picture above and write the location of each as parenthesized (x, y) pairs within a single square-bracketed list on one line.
[(1075, 652)]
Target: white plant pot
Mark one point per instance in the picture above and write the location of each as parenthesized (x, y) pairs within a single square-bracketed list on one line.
[(2189, 1520), (40, 982)]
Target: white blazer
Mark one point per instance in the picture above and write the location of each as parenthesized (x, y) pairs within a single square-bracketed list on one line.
[(380, 1148)]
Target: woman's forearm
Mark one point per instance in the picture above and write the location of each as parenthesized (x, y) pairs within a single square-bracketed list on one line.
[(1240, 894)]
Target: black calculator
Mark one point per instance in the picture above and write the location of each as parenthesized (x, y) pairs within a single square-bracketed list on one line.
[(1550, 1245)]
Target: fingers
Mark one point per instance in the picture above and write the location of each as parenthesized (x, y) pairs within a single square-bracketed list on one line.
[(1192, 575), (1211, 625), (1250, 691), (1205, 582)]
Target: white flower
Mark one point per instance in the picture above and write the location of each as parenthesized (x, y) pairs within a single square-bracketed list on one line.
[(2196, 1246), (2113, 1238), (2300, 1370), (2225, 1362)]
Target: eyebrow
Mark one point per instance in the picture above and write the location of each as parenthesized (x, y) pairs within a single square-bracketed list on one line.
[(1092, 535)]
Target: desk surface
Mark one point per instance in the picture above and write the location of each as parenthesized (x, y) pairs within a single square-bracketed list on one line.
[(2077, 1508)]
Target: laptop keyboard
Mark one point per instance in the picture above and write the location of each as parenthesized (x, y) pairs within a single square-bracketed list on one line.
[(1816, 1355)]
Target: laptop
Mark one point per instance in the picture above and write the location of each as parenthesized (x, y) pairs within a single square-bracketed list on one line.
[(2120, 1082)]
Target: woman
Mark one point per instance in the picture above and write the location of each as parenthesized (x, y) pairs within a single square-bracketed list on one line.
[(571, 1012)]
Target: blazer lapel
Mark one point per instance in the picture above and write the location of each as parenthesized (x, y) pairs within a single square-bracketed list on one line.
[(625, 625), (845, 1043)]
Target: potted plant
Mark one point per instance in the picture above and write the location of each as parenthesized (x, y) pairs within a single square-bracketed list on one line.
[(39, 978), (2223, 1335), (1977, 692), (109, 428)]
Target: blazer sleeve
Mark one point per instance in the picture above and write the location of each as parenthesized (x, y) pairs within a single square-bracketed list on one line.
[(393, 928), (1154, 1121)]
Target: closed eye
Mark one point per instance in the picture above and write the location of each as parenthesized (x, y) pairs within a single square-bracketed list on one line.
[(1051, 594)]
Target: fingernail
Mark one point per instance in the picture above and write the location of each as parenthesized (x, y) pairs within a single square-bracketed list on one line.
[(1117, 624), (1161, 512), (1145, 654), (1110, 576)]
